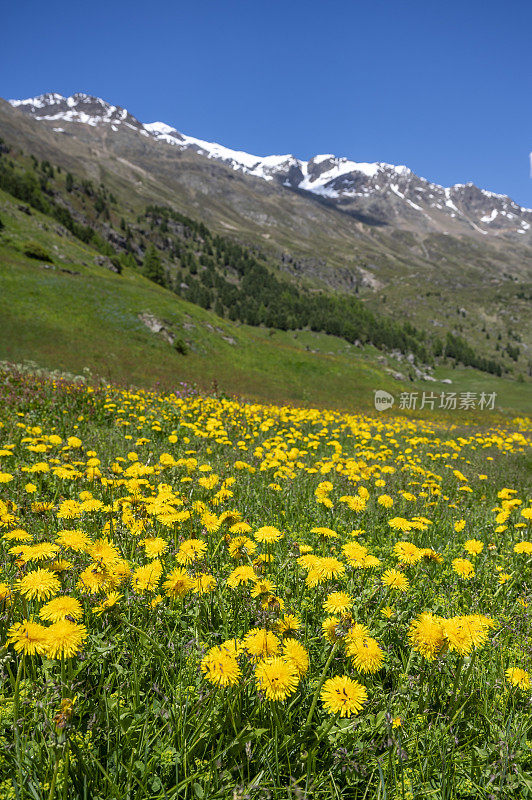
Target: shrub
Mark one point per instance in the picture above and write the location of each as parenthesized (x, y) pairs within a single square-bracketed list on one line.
[(181, 346), (35, 250)]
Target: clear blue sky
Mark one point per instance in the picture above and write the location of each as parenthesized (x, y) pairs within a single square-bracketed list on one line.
[(443, 87)]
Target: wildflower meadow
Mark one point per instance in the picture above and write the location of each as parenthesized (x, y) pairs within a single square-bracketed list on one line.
[(207, 598)]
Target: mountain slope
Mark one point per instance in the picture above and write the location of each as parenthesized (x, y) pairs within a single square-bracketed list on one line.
[(72, 312)]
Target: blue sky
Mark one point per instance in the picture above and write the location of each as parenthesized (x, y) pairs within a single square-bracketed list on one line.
[(443, 87)]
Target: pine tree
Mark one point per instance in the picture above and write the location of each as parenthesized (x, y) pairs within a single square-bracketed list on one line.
[(69, 182), (152, 267)]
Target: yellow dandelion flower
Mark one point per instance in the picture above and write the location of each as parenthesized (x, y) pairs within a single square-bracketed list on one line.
[(154, 546), (60, 608), (330, 629), (344, 696), (64, 639), (407, 553), (473, 547), (518, 677), (366, 653), (190, 550), (327, 533), (204, 583), (220, 667), (43, 551), (288, 625), (241, 546), (261, 643), (395, 580), (74, 540), (40, 584), (178, 583), (146, 578), (268, 534), (400, 524), (277, 678), (523, 547), (426, 635), (92, 579), (385, 500), (337, 603), (28, 637), (463, 567), (242, 575), (295, 652), (110, 601)]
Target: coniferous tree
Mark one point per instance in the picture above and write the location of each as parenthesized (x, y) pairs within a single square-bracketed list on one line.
[(69, 182), (152, 267)]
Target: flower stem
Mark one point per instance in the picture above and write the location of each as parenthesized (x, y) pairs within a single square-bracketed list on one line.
[(318, 687)]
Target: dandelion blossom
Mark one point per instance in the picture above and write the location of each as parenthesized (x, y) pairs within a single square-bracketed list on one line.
[(330, 629), (60, 608), (190, 550), (523, 547), (73, 539), (261, 643), (268, 534), (518, 677), (277, 677), (295, 652), (178, 583), (154, 546), (344, 696), (395, 580), (146, 578), (463, 567), (28, 637), (64, 639), (44, 551), (426, 635), (204, 583), (337, 603), (242, 575), (473, 547), (407, 553), (39, 585), (366, 653), (220, 667), (288, 624)]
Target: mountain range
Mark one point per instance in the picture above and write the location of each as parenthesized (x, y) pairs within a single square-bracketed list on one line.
[(378, 193), (448, 259)]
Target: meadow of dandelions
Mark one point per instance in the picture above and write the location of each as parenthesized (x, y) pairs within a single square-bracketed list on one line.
[(207, 598)]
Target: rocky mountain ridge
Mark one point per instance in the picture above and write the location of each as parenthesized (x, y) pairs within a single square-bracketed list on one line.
[(378, 193)]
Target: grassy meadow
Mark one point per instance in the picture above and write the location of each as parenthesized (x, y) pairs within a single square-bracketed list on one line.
[(207, 598)]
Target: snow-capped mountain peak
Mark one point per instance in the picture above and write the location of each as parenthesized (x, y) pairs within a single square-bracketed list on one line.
[(383, 192)]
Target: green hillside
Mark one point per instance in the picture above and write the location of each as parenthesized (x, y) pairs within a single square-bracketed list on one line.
[(69, 313)]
